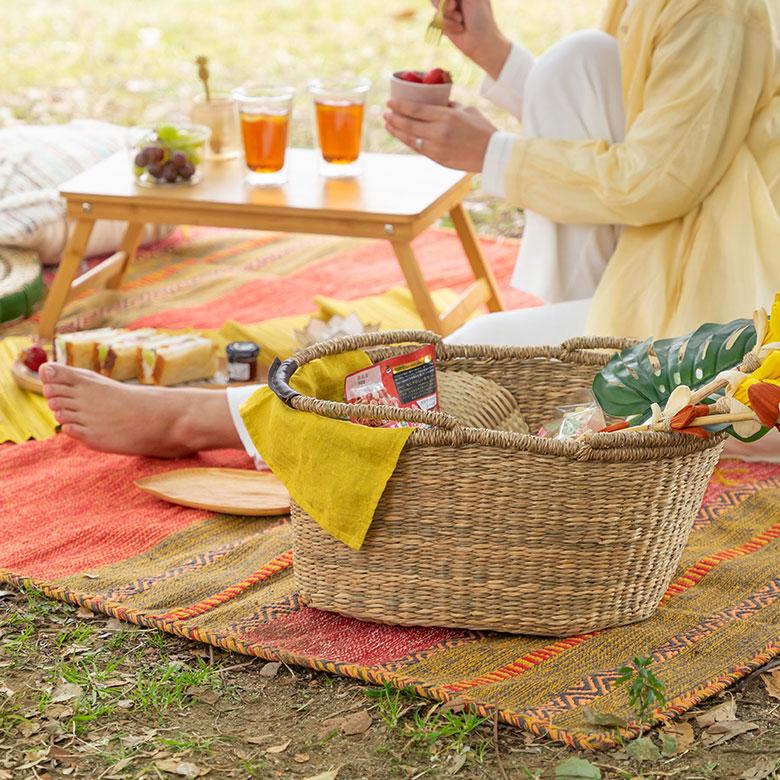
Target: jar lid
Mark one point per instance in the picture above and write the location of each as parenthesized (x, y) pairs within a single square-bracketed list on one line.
[(242, 350)]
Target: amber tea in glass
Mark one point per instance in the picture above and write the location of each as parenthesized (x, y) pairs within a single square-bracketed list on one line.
[(264, 114), (338, 110)]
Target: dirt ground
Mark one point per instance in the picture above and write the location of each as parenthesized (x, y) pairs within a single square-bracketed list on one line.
[(88, 697)]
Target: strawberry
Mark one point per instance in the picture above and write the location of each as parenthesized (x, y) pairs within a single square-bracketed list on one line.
[(410, 75), (437, 76), (34, 357)]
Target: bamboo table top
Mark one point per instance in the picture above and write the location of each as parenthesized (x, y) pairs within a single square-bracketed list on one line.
[(397, 188)]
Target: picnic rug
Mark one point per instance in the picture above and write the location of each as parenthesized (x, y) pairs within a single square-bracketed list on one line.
[(95, 540)]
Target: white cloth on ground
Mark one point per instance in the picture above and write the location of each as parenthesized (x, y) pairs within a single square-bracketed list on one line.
[(571, 92)]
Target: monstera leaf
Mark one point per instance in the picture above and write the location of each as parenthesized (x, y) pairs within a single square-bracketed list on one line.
[(648, 372)]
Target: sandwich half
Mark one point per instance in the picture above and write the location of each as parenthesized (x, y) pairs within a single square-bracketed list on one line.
[(117, 356), (173, 360), (80, 349)]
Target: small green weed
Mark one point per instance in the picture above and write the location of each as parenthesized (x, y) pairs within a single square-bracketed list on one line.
[(81, 633), (166, 685), (646, 691), (449, 728), (392, 703), (194, 743)]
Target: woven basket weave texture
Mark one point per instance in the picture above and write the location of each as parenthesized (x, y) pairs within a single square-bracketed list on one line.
[(489, 529)]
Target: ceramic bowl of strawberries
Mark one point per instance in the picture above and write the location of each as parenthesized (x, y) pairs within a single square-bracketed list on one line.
[(432, 87)]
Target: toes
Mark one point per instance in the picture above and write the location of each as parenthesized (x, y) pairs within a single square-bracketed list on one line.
[(67, 416), (75, 431), (57, 390), (55, 373)]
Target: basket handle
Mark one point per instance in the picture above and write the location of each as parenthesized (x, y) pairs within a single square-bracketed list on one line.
[(598, 342), (280, 373)]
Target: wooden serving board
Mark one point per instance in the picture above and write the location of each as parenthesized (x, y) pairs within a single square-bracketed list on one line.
[(28, 380), (228, 491)]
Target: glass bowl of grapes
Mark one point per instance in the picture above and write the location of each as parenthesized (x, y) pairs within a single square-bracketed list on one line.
[(168, 155)]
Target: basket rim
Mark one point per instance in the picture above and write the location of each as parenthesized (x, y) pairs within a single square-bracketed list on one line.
[(447, 431)]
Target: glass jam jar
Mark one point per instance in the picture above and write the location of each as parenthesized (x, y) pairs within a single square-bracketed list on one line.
[(242, 361)]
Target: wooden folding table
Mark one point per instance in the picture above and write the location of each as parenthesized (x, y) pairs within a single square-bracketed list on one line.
[(395, 198)]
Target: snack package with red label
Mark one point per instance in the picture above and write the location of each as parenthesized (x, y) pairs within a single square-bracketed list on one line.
[(404, 382)]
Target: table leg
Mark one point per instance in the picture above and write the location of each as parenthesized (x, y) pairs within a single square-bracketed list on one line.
[(473, 250), (66, 273), (129, 246), (417, 286)]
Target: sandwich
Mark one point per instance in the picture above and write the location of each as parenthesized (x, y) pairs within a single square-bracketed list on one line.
[(80, 349), (117, 356), (172, 360)]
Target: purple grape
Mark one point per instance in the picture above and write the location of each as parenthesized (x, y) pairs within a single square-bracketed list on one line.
[(156, 170), (179, 159), (169, 172), (140, 159), (187, 172), (154, 154)]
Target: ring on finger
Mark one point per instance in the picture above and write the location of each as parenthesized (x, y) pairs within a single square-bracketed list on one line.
[(418, 143)]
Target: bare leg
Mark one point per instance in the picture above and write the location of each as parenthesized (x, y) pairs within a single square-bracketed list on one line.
[(136, 420)]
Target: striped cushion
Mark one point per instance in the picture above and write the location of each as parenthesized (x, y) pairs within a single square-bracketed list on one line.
[(34, 162)]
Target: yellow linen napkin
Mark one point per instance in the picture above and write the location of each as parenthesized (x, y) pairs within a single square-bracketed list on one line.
[(335, 470)]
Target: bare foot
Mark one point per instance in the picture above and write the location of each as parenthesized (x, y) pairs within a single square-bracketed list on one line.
[(137, 420)]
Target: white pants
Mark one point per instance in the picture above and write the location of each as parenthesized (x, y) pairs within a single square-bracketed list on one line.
[(573, 92)]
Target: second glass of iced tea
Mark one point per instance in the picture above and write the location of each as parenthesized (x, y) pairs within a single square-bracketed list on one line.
[(339, 107), (264, 114)]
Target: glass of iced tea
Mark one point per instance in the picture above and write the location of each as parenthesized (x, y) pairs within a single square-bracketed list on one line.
[(264, 115), (338, 111)]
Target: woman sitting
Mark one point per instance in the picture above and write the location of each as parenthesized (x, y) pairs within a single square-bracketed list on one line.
[(648, 165)]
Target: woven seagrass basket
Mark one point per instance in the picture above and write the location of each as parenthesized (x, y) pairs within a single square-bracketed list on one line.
[(486, 528)]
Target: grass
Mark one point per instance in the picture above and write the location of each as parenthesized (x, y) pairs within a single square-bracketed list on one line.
[(131, 62)]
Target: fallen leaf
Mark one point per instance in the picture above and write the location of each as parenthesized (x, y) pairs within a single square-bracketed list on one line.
[(331, 774), (112, 624), (328, 726), (6, 691), (718, 733), (278, 748), (58, 711), (603, 719), (90, 576), (577, 769), (643, 749), (723, 712), (180, 768), (125, 704), (356, 723), (83, 612), (4, 593), (65, 692), (682, 733), (764, 767), (772, 683), (259, 740), (301, 758), (202, 694), (457, 763), (270, 669), (120, 765)]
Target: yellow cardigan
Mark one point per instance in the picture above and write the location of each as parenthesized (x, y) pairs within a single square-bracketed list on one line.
[(696, 181)]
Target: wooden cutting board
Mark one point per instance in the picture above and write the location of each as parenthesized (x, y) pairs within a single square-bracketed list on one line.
[(228, 491)]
